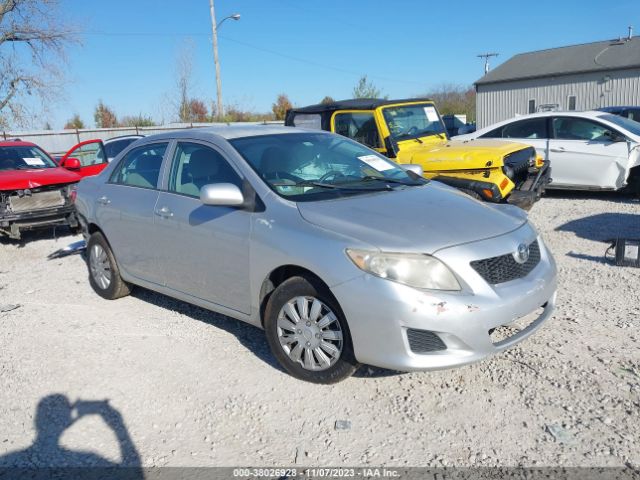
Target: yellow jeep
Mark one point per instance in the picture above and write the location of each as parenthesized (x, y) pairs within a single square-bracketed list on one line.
[(412, 132)]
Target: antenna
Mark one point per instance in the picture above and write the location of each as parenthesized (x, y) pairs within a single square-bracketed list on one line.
[(486, 57)]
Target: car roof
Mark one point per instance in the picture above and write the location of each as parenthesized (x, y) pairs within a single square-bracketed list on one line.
[(618, 108), (354, 104), (591, 114), (17, 143), (229, 132)]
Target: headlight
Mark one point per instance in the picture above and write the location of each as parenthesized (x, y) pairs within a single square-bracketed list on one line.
[(414, 270)]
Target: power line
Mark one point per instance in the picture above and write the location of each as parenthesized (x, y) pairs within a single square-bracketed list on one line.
[(258, 48)]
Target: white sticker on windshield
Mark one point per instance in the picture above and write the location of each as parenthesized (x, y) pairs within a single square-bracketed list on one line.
[(376, 162), (431, 113), (33, 161)]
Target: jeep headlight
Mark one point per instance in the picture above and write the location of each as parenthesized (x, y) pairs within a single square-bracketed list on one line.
[(414, 270)]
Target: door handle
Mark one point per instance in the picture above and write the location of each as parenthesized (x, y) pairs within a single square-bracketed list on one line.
[(164, 212), (104, 200), (558, 149)]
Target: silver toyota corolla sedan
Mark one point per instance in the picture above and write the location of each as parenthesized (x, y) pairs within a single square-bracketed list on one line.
[(342, 256)]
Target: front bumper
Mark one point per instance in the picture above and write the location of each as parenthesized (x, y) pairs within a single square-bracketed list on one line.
[(380, 312), (12, 224), (530, 191)]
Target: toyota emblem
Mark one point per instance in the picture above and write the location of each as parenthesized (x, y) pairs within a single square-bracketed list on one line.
[(521, 255)]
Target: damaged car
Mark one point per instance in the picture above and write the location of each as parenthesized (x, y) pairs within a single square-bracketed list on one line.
[(342, 256), (590, 150), (35, 192)]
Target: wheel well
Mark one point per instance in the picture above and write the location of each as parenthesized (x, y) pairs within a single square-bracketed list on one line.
[(280, 275), (93, 228)]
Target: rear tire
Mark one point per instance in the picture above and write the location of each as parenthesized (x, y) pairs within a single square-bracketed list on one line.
[(308, 333), (104, 274)]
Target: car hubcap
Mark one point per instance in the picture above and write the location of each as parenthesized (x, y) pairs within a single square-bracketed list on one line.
[(310, 333), (100, 268)]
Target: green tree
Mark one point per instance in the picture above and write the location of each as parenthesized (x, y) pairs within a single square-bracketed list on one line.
[(104, 117), (281, 106), (366, 89), (74, 123)]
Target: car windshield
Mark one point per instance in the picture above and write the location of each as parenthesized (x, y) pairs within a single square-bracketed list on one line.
[(413, 121), (629, 125), (24, 157), (316, 166)]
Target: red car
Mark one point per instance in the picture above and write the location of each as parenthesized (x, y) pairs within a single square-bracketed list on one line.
[(34, 190)]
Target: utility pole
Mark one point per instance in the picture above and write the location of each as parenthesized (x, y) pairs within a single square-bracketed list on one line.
[(486, 57), (214, 31)]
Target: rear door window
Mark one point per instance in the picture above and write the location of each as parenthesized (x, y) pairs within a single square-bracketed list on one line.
[(530, 128), (140, 167), (359, 126)]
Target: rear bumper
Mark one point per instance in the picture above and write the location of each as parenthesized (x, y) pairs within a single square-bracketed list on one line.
[(530, 191), (12, 224)]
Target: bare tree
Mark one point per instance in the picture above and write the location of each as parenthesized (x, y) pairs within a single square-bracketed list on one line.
[(184, 71), (281, 106), (454, 99), (139, 120), (326, 100), (32, 44)]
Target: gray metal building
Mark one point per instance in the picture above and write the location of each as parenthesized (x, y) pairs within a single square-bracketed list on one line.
[(578, 77)]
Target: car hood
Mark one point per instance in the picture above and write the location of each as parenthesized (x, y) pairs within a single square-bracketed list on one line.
[(423, 219), (36, 177), (465, 154)]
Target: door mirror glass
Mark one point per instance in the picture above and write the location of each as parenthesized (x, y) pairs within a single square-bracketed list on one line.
[(221, 194), (71, 164)]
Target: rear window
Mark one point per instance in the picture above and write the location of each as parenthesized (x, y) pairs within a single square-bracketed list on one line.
[(24, 158)]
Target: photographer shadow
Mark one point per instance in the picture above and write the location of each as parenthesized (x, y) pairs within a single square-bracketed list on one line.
[(54, 415)]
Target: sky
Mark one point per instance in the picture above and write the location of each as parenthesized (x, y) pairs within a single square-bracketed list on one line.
[(306, 48)]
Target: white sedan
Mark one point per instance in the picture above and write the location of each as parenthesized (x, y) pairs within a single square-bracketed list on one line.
[(588, 150)]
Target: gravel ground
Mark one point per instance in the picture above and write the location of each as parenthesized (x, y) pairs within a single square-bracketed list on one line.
[(187, 387)]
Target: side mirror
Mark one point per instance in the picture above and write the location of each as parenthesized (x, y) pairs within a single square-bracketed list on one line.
[(71, 164), (221, 194), (413, 167)]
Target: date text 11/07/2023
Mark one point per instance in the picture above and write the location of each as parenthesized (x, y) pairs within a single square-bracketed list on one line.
[(267, 473)]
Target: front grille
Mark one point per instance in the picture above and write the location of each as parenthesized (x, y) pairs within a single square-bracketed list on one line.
[(36, 201), (505, 268), (518, 164), (424, 341)]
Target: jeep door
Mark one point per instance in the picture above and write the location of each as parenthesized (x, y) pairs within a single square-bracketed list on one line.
[(584, 154), (205, 248)]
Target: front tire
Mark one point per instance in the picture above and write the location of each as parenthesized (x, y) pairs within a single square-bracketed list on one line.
[(104, 274), (308, 333)]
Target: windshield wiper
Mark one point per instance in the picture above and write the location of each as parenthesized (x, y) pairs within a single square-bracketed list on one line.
[(369, 178), (331, 186)]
